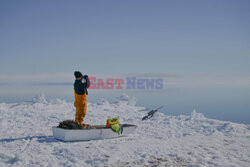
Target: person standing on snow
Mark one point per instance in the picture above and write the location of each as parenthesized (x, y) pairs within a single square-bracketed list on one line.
[(81, 92)]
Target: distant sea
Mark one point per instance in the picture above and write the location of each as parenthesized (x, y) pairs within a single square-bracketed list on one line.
[(224, 103)]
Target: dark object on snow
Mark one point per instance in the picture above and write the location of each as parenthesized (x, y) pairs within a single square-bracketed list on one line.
[(151, 113), (69, 124)]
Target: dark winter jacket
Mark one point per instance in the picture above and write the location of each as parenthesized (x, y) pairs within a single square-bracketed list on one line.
[(81, 88)]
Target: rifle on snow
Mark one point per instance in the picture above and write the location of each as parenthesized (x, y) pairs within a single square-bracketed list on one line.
[(151, 113)]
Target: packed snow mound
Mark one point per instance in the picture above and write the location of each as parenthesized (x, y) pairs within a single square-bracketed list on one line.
[(185, 140), (125, 99), (40, 99)]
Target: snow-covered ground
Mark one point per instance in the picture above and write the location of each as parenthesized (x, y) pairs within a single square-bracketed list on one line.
[(26, 137)]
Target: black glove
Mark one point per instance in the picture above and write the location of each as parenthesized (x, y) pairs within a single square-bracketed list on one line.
[(85, 76)]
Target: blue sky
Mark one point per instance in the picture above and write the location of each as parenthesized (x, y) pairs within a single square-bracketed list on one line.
[(173, 37), (200, 48)]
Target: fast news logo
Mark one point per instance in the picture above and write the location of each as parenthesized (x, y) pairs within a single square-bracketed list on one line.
[(131, 83)]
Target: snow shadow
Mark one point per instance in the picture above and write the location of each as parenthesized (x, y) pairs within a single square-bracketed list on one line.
[(40, 139), (8, 159)]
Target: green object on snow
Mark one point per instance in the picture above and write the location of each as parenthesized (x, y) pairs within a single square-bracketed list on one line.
[(116, 128), (113, 123)]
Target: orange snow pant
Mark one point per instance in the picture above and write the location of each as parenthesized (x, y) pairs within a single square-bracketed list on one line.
[(81, 107)]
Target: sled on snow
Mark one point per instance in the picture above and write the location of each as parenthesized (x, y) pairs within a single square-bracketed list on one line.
[(95, 132)]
